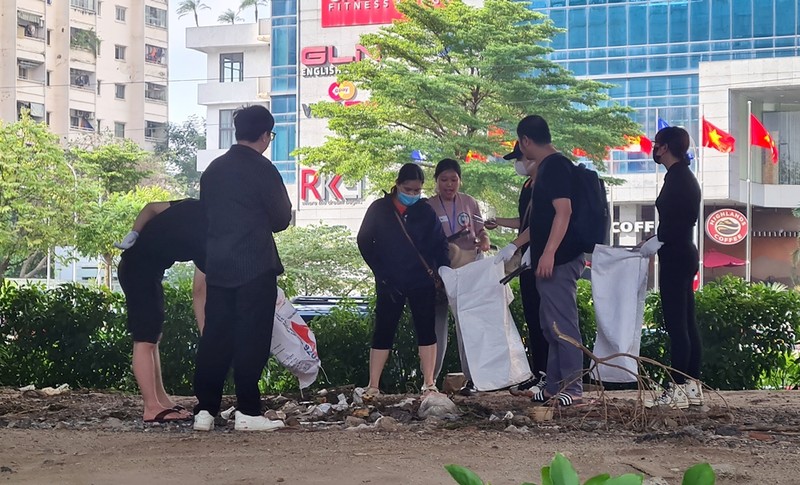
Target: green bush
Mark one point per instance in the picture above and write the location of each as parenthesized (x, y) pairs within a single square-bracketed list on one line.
[(77, 335)]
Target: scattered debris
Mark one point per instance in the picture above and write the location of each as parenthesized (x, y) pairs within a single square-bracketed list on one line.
[(437, 405)]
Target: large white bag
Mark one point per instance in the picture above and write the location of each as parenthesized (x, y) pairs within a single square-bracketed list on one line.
[(489, 339), (293, 343), (619, 288)]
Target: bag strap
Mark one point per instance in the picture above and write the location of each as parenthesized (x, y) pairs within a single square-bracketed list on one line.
[(526, 217), (431, 273)]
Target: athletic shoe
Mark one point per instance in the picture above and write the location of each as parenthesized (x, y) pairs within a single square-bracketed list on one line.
[(694, 392), (468, 389), (245, 422), (673, 397), (203, 421), (530, 387)]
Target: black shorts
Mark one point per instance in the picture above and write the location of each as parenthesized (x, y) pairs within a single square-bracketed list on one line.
[(144, 299)]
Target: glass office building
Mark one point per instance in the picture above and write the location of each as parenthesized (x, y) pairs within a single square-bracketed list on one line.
[(650, 50), (283, 93)]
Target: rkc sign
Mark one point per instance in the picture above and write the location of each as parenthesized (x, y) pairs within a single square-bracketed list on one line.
[(326, 190)]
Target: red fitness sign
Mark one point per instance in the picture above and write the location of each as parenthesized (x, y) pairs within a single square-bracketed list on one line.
[(727, 226), (344, 13)]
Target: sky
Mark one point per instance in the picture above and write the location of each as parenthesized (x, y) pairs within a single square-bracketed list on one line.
[(187, 68)]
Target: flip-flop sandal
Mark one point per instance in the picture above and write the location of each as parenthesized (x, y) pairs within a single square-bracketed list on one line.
[(162, 417), (564, 399), (538, 396), (178, 407)]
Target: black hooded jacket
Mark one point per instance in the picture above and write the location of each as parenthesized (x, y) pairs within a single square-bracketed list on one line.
[(389, 253)]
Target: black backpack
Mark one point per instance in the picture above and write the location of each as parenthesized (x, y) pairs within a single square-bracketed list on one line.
[(590, 220)]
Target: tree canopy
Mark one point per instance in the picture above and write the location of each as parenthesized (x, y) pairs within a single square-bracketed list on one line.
[(456, 79)]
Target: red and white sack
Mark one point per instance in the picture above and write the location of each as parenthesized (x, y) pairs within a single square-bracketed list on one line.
[(293, 343)]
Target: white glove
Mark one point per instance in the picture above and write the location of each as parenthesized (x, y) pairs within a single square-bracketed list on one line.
[(526, 257), (650, 247), (127, 241), (505, 254)]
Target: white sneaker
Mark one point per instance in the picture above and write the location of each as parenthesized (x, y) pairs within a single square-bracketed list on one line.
[(694, 392), (673, 397), (203, 421), (255, 423)]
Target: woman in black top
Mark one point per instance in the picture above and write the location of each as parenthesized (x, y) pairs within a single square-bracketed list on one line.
[(678, 206), (385, 241)]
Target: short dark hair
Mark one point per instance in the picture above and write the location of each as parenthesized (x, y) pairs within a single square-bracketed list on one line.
[(535, 128), (677, 141), (251, 122), (447, 164), (410, 171)]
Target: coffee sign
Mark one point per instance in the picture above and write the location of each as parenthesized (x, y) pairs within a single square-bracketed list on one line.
[(727, 226)]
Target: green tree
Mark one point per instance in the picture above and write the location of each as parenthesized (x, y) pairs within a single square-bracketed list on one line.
[(186, 7), (322, 260), (447, 76), (118, 164), (229, 17), (179, 153), (252, 3), (108, 220), (39, 193)]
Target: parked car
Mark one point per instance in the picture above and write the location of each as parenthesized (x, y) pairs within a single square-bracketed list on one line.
[(310, 307)]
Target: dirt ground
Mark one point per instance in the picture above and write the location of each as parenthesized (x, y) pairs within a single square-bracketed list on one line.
[(98, 438)]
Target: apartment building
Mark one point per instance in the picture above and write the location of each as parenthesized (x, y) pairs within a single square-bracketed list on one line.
[(86, 66)]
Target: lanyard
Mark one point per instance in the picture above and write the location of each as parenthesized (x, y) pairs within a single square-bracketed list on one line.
[(450, 220)]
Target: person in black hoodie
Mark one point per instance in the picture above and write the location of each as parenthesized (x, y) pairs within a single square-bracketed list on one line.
[(398, 233)]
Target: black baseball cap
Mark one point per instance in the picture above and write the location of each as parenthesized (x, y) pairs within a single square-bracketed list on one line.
[(516, 154)]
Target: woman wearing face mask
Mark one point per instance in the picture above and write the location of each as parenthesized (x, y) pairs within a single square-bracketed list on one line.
[(458, 214), (402, 241), (537, 345), (678, 206)]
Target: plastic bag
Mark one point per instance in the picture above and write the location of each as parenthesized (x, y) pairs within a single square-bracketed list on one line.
[(489, 338), (293, 342), (619, 288)]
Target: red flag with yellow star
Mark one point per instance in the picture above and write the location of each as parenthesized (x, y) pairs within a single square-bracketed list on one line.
[(760, 137), (717, 139)]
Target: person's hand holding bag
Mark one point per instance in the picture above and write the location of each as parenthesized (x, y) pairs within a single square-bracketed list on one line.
[(650, 247), (505, 254)]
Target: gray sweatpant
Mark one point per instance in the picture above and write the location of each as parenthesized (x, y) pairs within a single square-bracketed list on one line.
[(560, 305)]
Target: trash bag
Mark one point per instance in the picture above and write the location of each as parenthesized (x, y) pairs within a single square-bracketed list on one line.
[(489, 338), (619, 288), (293, 343)]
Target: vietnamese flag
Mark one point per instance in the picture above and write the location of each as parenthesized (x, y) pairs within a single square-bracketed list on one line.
[(717, 139), (760, 137), (638, 143), (472, 156)]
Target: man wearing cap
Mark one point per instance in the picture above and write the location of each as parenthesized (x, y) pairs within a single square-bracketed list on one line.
[(537, 345)]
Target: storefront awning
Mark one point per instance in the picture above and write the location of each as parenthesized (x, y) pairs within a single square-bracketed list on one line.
[(715, 259)]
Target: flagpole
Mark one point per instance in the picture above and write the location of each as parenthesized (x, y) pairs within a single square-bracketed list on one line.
[(701, 229), (655, 215), (748, 239), (611, 200)]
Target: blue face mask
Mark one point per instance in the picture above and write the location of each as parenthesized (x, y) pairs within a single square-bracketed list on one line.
[(407, 200)]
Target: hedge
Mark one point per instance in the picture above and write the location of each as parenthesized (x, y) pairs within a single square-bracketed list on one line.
[(77, 335)]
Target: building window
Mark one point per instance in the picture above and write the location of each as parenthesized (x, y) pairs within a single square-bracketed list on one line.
[(99, 9), (30, 25), (154, 131), (119, 91), (119, 52), (47, 78), (155, 17), (79, 78), (81, 120), (88, 5), (155, 55), (35, 110), (226, 129), (49, 34), (120, 13), (31, 71), (47, 118), (119, 129), (231, 67), (98, 87), (155, 92)]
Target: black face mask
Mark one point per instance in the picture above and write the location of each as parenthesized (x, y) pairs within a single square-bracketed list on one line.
[(657, 158)]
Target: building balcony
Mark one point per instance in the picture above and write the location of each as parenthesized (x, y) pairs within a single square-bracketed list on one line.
[(31, 45), (228, 93), (217, 38)]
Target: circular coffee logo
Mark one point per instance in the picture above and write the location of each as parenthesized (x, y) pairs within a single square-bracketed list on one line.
[(727, 226)]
